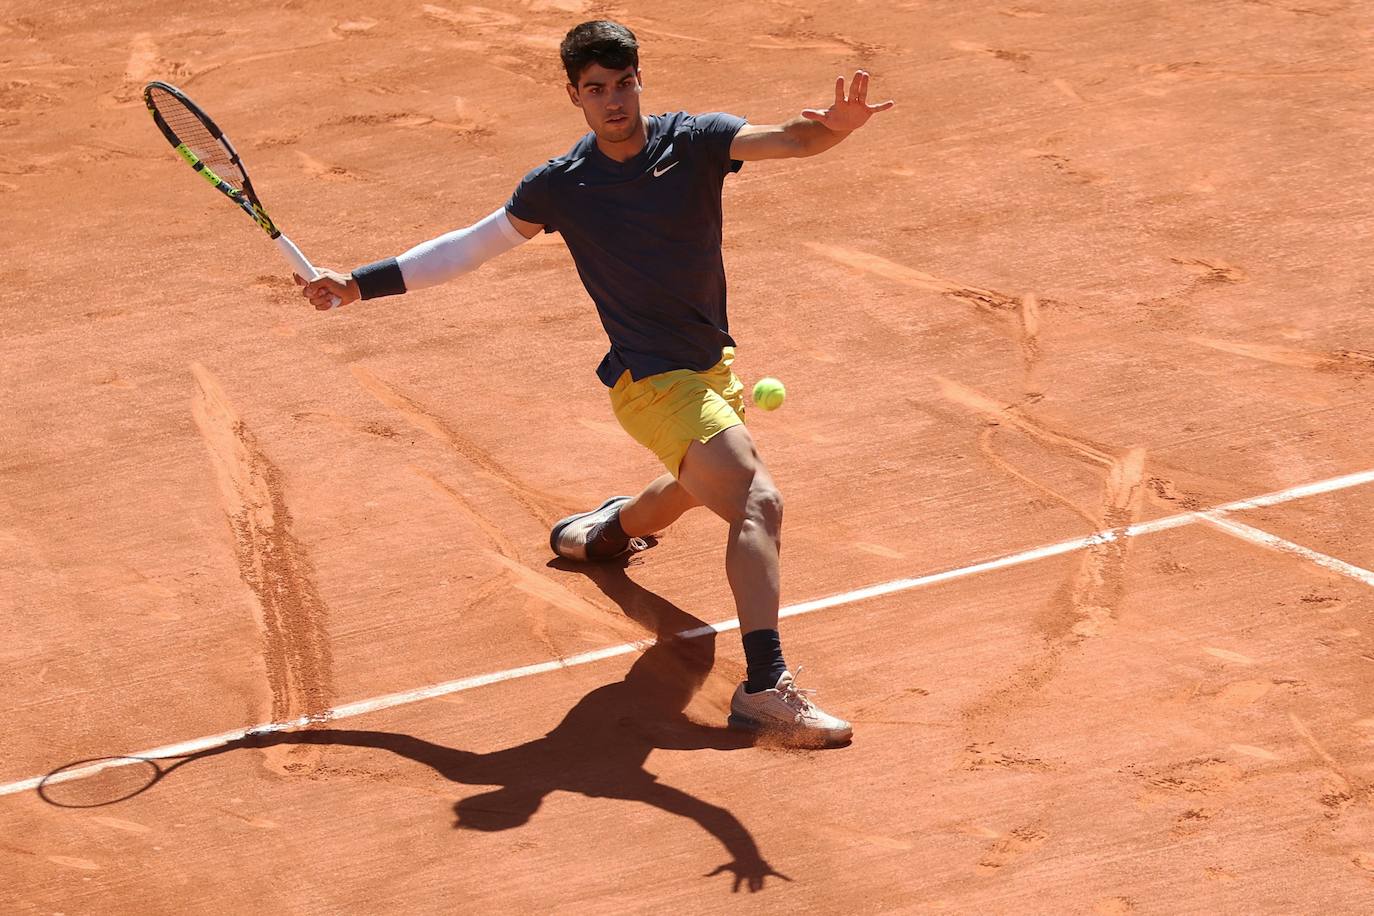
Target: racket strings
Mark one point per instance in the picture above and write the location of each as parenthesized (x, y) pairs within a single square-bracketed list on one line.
[(191, 131)]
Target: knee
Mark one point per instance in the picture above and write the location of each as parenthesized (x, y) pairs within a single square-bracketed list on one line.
[(765, 506)]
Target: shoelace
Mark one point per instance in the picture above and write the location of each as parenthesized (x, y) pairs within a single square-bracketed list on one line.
[(796, 697)]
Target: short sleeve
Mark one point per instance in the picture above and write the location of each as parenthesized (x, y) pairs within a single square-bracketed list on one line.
[(715, 132), (532, 201)]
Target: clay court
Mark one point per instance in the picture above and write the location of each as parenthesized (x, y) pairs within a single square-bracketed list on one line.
[(1076, 455)]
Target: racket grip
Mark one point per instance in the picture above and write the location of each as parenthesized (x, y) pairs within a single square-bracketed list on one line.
[(300, 263)]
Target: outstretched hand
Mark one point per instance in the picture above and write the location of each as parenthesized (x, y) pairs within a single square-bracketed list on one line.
[(849, 112), (754, 871)]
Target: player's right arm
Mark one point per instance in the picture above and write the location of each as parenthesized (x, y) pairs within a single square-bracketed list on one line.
[(523, 226), (427, 264)]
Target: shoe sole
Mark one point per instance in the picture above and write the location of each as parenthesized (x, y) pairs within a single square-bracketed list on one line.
[(561, 524), (801, 737)]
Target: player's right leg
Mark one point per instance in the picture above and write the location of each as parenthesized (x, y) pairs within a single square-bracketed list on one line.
[(727, 476)]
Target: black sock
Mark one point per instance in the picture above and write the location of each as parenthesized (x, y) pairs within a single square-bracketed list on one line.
[(763, 655), (607, 539)]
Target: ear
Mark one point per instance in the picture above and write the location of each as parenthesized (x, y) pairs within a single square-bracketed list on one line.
[(573, 95)]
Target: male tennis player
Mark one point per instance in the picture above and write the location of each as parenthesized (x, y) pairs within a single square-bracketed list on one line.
[(638, 202)]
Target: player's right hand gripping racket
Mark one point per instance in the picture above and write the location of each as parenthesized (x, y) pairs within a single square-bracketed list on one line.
[(199, 141)]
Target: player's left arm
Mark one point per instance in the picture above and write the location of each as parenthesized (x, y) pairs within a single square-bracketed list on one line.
[(815, 131)]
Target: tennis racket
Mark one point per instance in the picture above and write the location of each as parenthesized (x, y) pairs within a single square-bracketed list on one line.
[(199, 141)]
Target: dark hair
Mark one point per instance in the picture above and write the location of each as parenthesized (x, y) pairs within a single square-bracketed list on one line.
[(602, 42)]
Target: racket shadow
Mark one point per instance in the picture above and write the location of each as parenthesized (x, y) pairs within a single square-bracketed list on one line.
[(599, 748)]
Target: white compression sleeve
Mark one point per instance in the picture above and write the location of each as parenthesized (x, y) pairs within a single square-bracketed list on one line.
[(458, 252)]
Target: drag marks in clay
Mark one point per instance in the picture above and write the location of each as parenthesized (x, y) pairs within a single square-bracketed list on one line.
[(1062, 165), (986, 756), (271, 562), (413, 120), (1020, 318), (534, 503), (1342, 787), (1349, 362), (541, 591), (324, 172), (1200, 776), (470, 16), (801, 41), (1172, 311), (792, 32), (1096, 589), (510, 43), (146, 62), (985, 300), (73, 862), (1012, 847), (1019, 58)]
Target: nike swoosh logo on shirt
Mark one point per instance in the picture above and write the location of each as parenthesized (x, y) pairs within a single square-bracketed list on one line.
[(666, 168)]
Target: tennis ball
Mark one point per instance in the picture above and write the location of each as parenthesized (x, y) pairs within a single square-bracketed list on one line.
[(769, 393)]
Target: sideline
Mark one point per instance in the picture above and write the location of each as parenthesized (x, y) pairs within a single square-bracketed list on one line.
[(348, 710)]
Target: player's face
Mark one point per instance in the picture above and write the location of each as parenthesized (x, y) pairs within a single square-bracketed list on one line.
[(609, 100)]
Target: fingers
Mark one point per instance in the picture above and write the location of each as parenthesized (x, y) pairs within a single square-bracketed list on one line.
[(883, 106), (324, 293), (858, 89)]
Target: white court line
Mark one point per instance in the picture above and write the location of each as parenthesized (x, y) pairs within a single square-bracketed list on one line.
[(1274, 542), (863, 594)]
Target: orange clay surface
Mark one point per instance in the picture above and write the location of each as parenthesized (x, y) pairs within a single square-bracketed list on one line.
[(1104, 263)]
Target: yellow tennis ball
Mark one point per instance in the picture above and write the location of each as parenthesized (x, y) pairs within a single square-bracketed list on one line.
[(769, 393)]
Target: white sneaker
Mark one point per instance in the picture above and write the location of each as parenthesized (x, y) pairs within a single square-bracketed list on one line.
[(569, 536), (786, 711)]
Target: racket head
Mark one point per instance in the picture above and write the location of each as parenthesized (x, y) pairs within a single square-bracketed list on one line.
[(198, 140)]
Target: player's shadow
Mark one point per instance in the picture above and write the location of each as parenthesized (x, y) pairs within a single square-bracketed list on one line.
[(599, 748)]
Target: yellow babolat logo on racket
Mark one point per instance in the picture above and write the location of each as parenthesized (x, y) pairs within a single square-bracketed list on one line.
[(205, 171)]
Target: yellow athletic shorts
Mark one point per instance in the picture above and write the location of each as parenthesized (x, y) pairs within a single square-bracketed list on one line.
[(665, 413)]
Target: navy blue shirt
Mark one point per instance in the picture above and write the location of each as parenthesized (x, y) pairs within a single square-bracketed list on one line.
[(645, 236)]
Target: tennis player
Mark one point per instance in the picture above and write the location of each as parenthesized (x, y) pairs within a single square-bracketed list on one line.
[(638, 203)]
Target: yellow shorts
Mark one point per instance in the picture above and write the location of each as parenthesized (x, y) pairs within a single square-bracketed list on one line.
[(667, 412)]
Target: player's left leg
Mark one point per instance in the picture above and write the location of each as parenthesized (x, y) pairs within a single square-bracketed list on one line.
[(656, 507), (618, 525), (665, 413)]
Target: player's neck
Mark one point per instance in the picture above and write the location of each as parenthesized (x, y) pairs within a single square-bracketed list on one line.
[(624, 150)]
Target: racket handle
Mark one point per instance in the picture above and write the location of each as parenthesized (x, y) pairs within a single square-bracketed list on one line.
[(300, 263)]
